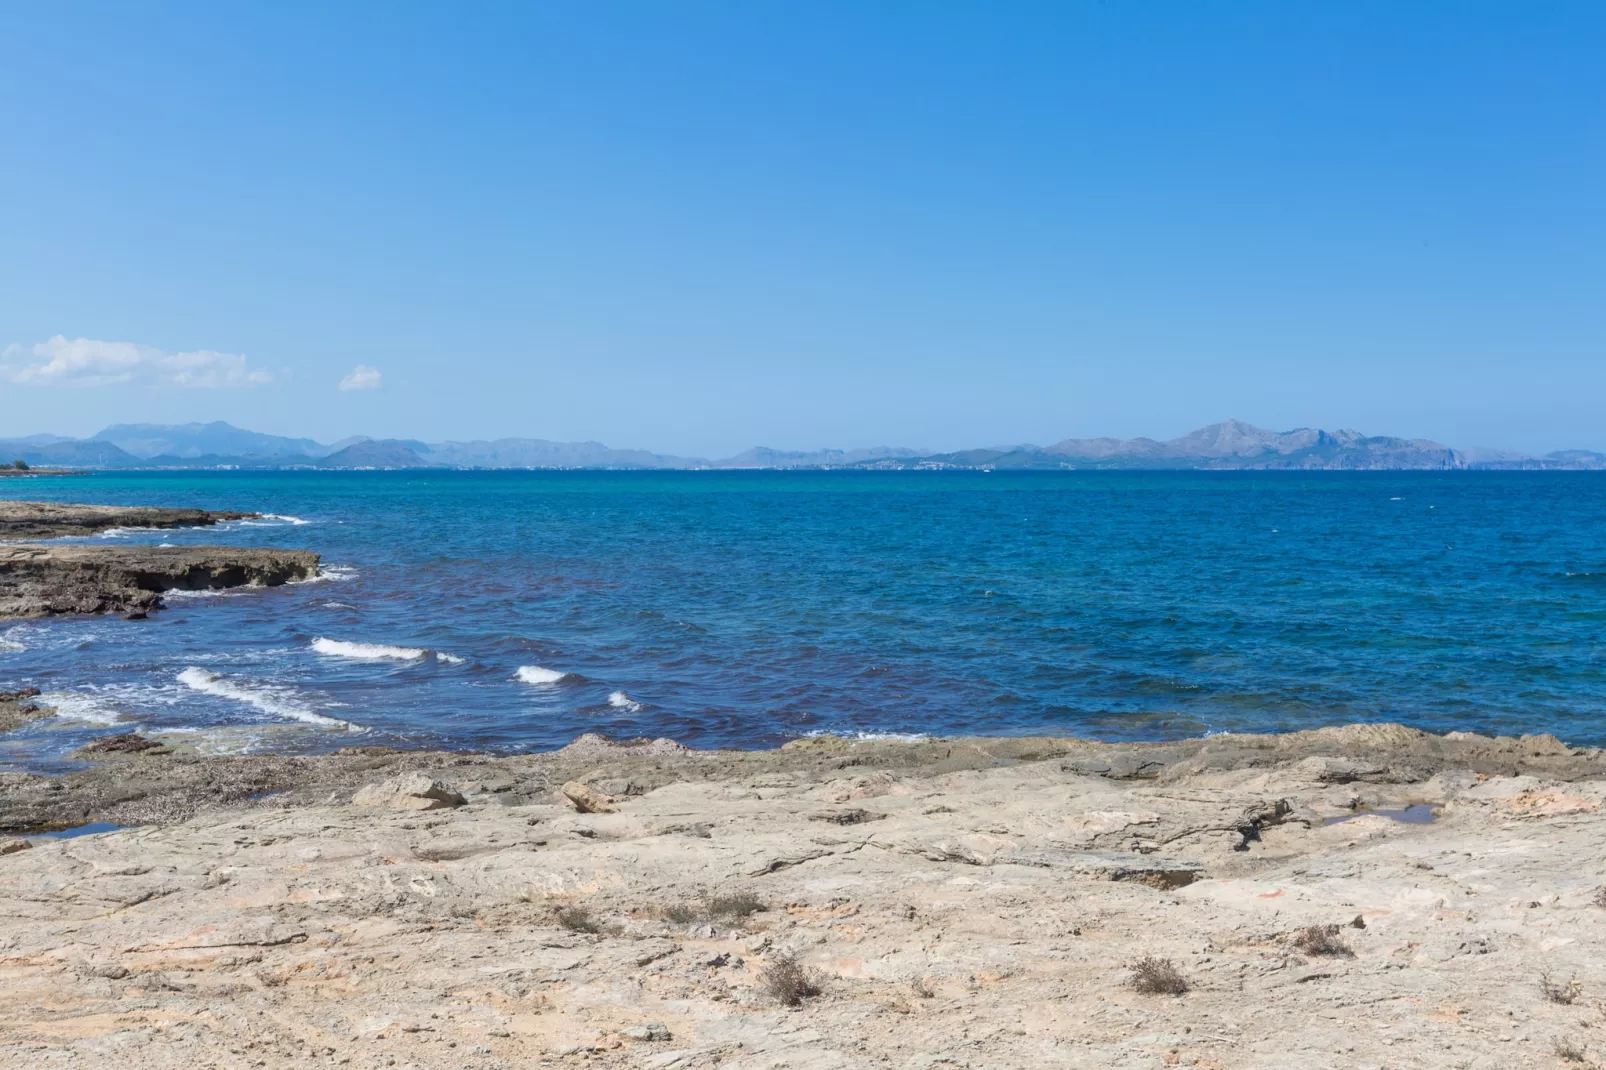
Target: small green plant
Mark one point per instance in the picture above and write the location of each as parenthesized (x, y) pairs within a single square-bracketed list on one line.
[(789, 981), (1157, 977)]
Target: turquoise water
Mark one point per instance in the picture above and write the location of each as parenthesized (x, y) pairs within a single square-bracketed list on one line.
[(746, 608)]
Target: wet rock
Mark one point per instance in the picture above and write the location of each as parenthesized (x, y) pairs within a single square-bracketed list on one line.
[(122, 743), (43, 581)]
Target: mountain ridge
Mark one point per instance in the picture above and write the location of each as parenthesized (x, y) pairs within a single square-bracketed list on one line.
[(1230, 444)]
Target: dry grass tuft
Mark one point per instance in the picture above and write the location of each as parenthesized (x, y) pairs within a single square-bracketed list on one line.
[(1321, 940), (1157, 977), (789, 981), (1600, 896), (577, 920), (736, 905), (1565, 992), (1570, 1051), (922, 987)]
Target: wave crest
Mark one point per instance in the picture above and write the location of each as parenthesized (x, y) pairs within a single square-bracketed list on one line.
[(275, 701), (535, 674), (340, 648)]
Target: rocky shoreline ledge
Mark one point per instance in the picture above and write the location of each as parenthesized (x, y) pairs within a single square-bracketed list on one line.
[(38, 580), (53, 520), (1369, 896)]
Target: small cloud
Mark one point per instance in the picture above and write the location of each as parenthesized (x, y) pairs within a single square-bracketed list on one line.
[(362, 377), (87, 362)]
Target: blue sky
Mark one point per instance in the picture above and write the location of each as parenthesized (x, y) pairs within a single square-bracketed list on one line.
[(696, 227)]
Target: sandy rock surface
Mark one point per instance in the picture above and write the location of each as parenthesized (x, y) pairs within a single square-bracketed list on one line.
[(957, 906)]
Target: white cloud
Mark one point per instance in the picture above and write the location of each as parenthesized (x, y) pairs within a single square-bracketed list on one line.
[(87, 362), (362, 377)]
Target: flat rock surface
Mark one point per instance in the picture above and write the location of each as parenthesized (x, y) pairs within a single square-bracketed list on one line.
[(47, 580), (960, 903), (49, 520)]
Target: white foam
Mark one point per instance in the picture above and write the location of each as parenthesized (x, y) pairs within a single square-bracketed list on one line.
[(339, 648), (860, 736), (328, 573), (621, 701), (285, 519), (10, 644), (535, 674), (450, 659), (77, 706), (275, 701), (181, 595)]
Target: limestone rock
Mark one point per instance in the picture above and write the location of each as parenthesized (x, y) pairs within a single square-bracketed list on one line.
[(410, 791), (586, 799)]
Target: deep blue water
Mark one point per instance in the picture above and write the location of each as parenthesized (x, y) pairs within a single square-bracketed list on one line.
[(745, 608)]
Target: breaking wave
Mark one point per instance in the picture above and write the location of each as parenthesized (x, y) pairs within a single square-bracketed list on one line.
[(339, 648), (621, 701), (274, 701), (535, 674)]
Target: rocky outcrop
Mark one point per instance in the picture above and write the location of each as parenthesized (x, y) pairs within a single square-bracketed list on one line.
[(43, 581), (50, 520), (17, 708), (989, 904)]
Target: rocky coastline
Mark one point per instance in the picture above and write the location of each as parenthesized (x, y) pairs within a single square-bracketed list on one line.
[(38, 580), (1369, 896)]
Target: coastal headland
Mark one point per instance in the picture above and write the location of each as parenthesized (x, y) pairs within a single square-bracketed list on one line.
[(38, 580)]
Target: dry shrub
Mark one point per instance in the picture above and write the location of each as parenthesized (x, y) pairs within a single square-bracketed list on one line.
[(1564, 992), (1321, 940), (577, 919), (1600, 897), (736, 905), (921, 987), (789, 981), (732, 907), (1157, 977), (1570, 1051)]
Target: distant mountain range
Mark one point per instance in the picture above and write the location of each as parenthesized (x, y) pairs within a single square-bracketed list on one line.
[(1229, 445)]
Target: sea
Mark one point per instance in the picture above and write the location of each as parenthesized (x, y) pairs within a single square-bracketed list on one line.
[(514, 610)]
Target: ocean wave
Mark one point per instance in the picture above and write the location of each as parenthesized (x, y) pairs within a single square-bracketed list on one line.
[(339, 648), (621, 701), (182, 595), (10, 644), (284, 518), (78, 706), (330, 574), (535, 674), (861, 736), (450, 659), (274, 701)]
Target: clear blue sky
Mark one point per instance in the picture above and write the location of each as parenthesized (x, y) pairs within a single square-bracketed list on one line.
[(696, 227)]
